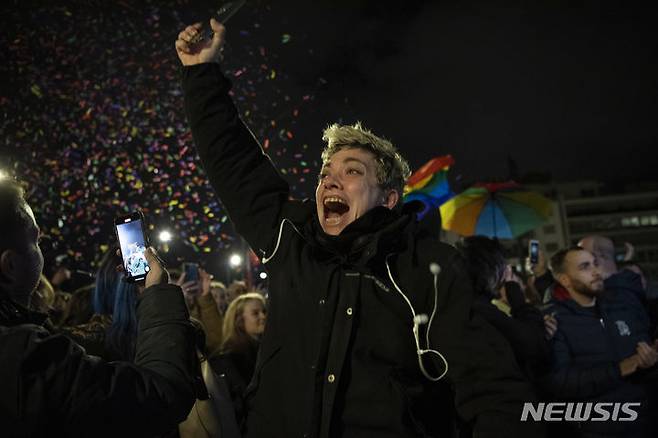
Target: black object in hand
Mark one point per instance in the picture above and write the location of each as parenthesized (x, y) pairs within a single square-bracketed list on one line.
[(223, 15)]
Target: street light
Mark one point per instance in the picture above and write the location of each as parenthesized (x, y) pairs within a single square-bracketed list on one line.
[(263, 275), (235, 260), (165, 236), (3, 175)]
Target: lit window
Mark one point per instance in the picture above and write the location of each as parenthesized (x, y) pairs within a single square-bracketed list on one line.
[(654, 220)]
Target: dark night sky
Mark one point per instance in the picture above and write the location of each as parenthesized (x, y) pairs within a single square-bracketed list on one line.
[(560, 88)]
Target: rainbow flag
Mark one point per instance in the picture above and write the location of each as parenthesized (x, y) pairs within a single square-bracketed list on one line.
[(429, 184)]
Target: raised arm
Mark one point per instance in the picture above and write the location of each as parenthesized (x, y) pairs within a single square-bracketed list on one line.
[(242, 175)]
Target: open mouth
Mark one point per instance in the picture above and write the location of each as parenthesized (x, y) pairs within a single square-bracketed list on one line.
[(334, 209)]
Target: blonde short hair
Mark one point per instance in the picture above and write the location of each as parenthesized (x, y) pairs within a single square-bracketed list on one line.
[(392, 169)]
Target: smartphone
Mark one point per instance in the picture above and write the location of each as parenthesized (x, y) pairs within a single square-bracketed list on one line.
[(133, 242), (191, 271), (533, 250), (223, 15)]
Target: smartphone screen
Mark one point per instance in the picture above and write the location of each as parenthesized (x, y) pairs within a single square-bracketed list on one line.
[(130, 232), (534, 251), (191, 271)]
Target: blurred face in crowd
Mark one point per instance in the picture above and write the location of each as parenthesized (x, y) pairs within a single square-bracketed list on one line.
[(219, 295), (254, 317), (581, 274), (21, 265), (348, 188), (603, 249)]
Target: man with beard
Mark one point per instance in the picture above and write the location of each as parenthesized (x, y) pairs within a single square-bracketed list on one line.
[(602, 351)]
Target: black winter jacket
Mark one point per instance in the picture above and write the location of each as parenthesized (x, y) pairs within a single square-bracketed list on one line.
[(50, 387), (587, 348), (338, 356), (589, 344)]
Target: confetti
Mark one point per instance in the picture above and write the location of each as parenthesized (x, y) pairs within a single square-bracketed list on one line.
[(94, 123)]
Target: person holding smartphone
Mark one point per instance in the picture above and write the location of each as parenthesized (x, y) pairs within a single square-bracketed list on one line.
[(51, 387)]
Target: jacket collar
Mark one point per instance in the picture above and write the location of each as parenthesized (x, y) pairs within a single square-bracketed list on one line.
[(12, 313), (571, 305), (375, 233)]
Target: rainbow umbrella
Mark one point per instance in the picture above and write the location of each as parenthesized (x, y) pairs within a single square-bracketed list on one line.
[(429, 184), (500, 210)]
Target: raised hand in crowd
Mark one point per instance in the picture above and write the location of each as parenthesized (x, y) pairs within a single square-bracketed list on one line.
[(510, 276), (193, 288), (157, 273), (550, 325), (537, 269), (191, 53), (190, 288), (205, 280)]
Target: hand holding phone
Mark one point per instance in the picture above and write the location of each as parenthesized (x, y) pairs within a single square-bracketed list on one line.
[(222, 16), (533, 251), (191, 271), (157, 274), (133, 243)]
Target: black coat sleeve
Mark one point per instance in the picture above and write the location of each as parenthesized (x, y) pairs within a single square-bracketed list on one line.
[(51, 386), (242, 175)]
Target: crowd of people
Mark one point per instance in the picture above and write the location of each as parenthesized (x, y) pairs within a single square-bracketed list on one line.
[(370, 326)]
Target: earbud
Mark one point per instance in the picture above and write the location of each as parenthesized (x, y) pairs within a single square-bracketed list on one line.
[(435, 268), (420, 319)]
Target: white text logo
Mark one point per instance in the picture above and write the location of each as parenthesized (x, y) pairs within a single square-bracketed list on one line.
[(562, 411)]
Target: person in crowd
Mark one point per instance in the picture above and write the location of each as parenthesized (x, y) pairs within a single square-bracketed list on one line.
[(218, 291), (244, 324), (602, 351), (501, 301), (111, 331), (603, 249), (203, 307), (212, 416), (80, 306), (367, 311), (649, 300), (636, 268), (49, 384), (235, 289), (61, 275)]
